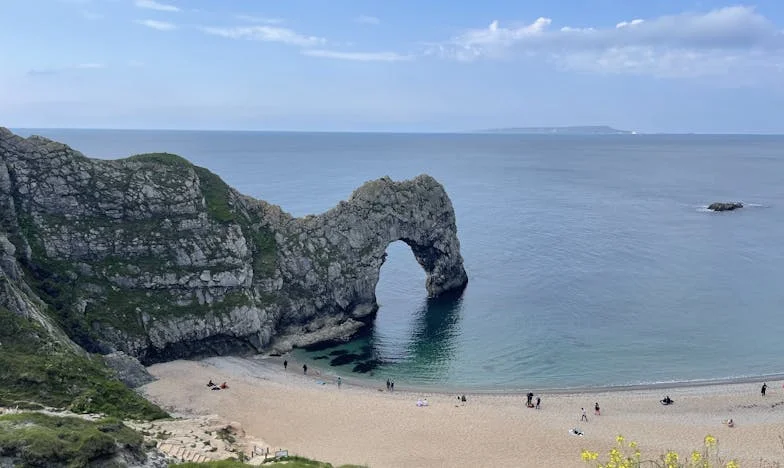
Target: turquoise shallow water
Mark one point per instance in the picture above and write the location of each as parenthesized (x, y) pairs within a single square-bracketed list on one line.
[(592, 261)]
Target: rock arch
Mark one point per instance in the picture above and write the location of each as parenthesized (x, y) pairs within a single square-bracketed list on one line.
[(346, 246)]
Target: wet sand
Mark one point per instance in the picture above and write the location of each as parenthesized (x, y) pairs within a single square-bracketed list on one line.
[(310, 416)]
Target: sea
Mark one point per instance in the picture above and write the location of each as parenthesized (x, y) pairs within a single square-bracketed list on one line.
[(592, 260)]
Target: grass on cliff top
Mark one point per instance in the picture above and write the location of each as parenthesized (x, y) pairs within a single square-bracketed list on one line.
[(160, 158), (43, 440), (36, 370), (287, 462)]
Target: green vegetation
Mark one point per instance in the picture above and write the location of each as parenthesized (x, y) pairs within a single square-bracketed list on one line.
[(287, 462), (216, 195), (35, 369), (628, 455), (42, 440), (265, 250), (167, 159)]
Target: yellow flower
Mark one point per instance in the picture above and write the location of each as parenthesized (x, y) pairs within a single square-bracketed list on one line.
[(732, 464), (710, 441), (619, 439), (588, 455), (671, 458), (633, 445), (696, 456)]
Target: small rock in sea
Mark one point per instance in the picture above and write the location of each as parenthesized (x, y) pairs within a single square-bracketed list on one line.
[(725, 206)]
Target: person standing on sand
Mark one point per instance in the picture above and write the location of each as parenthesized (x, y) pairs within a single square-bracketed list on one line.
[(392, 386), (584, 417), (597, 412), (340, 382), (387, 384), (764, 389), (305, 369), (538, 401), (285, 364)]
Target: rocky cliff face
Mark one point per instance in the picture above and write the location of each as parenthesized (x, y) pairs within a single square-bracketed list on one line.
[(158, 258)]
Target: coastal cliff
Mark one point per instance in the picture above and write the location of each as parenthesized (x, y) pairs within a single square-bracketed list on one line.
[(158, 258)]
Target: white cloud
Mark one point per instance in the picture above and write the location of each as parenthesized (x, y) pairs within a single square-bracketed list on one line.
[(159, 25), (357, 56), (367, 19), (259, 19), (267, 34), (153, 5), (688, 44)]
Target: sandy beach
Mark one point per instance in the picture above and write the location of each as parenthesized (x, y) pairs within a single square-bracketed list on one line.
[(312, 417)]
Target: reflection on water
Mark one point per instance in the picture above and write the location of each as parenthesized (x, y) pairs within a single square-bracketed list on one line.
[(423, 355), (433, 340)]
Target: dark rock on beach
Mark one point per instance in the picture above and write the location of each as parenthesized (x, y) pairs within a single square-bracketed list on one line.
[(725, 206)]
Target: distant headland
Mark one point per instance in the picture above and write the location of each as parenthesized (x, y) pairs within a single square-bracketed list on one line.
[(572, 130)]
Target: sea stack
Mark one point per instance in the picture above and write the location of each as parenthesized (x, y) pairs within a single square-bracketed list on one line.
[(725, 206)]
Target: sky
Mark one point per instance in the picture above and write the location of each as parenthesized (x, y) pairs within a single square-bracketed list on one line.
[(395, 65)]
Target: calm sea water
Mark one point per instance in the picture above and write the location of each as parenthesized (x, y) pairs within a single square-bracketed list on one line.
[(592, 260)]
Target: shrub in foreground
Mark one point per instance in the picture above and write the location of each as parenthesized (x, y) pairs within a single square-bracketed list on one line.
[(628, 456)]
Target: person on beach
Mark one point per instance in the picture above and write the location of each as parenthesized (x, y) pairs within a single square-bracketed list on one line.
[(584, 417), (596, 411), (392, 386), (387, 384), (305, 369), (530, 397), (285, 364), (340, 382), (538, 402), (764, 389)]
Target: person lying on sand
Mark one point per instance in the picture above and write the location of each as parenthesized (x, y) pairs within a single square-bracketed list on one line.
[(210, 383), (224, 386)]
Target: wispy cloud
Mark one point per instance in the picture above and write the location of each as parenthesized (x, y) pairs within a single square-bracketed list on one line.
[(267, 34), (153, 5), (159, 25), (91, 15), (259, 19), (89, 66), (691, 44), (357, 56), (367, 19), (66, 68)]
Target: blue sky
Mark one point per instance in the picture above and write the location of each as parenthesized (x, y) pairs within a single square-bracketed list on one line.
[(402, 65)]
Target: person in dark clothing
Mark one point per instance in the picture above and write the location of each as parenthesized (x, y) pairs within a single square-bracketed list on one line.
[(530, 398), (392, 386), (764, 389), (304, 369), (538, 402), (388, 384), (596, 411), (285, 364)]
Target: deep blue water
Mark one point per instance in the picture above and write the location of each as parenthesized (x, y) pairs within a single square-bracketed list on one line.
[(591, 260)]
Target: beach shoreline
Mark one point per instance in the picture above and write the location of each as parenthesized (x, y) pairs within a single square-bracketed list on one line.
[(362, 381), (366, 424)]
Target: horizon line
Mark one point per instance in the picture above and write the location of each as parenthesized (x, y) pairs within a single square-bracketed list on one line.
[(491, 132)]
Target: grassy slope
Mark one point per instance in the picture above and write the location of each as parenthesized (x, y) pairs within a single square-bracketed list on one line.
[(34, 369), (43, 440)]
